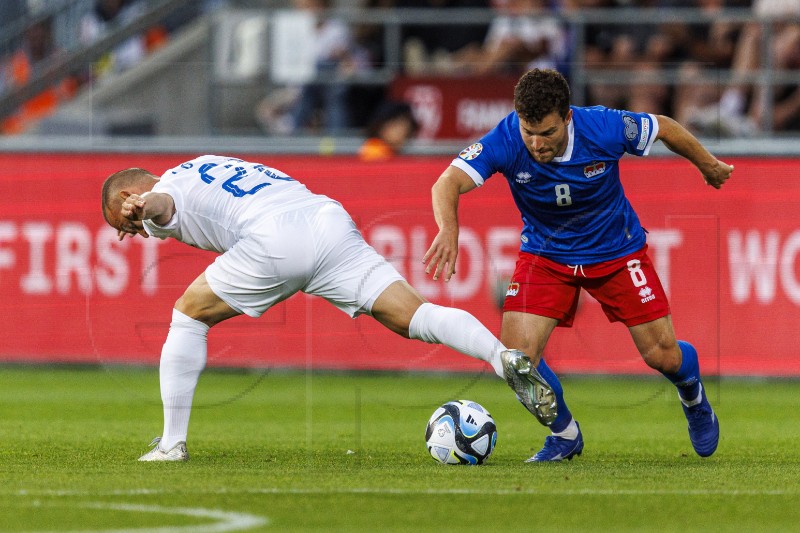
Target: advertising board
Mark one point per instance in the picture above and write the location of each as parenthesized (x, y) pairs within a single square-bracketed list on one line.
[(72, 293)]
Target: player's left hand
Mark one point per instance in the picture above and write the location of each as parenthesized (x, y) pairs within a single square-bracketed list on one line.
[(717, 174)]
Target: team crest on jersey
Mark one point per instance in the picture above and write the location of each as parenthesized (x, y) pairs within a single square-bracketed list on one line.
[(595, 169), (631, 127), (471, 152), (513, 289), (523, 177)]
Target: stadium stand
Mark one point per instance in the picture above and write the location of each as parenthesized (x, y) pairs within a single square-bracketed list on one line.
[(687, 58)]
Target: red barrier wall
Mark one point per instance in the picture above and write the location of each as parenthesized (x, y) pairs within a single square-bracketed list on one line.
[(71, 292)]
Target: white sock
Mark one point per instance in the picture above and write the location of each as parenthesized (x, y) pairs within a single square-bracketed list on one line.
[(570, 432), (183, 358), (458, 330)]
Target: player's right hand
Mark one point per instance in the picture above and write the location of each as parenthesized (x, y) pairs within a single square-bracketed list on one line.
[(441, 256), (718, 175), (133, 207)]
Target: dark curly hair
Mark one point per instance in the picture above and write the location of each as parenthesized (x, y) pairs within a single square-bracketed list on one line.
[(540, 92)]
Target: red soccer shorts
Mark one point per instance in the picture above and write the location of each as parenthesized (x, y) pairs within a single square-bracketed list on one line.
[(627, 288)]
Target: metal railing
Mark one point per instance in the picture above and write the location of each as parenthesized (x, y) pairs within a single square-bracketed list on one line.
[(76, 57), (393, 21)]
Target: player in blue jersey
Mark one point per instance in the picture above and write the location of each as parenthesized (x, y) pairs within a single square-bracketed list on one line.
[(579, 231)]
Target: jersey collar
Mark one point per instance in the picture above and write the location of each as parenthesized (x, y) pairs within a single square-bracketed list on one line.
[(570, 143)]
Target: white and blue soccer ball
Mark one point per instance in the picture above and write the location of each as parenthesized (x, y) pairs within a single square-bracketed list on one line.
[(461, 432)]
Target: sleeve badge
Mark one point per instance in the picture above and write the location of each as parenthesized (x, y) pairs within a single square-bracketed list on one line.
[(471, 152)]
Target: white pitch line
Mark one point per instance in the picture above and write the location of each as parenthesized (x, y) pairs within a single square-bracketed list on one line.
[(411, 492), (225, 521)]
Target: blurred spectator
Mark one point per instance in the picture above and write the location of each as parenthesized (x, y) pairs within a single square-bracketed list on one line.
[(392, 126), (648, 49), (428, 48), (321, 105), (739, 112), (370, 37), (106, 16), (709, 46), (712, 45), (644, 49), (607, 47), (525, 34), (24, 64)]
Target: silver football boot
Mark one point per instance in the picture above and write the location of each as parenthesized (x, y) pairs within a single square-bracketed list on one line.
[(532, 390), (176, 453)]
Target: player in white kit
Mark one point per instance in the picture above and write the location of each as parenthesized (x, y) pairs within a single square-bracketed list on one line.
[(276, 238)]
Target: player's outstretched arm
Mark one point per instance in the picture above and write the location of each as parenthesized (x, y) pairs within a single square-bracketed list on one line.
[(680, 140), (158, 207), (441, 256)]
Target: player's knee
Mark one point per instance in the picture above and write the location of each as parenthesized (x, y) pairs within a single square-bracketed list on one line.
[(206, 310), (513, 339), (527, 348), (397, 322), (396, 307), (190, 307)]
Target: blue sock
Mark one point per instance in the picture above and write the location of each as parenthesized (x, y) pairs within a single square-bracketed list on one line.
[(564, 416), (687, 379)]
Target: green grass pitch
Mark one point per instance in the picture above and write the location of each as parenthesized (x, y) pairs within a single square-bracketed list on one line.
[(275, 451)]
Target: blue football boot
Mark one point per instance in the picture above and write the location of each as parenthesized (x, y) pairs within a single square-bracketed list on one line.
[(703, 424), (558, 449)]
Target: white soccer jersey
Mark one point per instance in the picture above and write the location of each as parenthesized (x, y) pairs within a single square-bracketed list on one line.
[(275, 236), (228, 197)]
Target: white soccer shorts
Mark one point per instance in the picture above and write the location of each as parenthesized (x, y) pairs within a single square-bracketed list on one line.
[(316, 249)]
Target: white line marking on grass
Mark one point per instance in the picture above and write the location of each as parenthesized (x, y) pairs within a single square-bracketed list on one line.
[(528, 492), (433, 492), (225, 521)]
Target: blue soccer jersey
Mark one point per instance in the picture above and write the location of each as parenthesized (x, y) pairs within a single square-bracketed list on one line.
[(574, 209)]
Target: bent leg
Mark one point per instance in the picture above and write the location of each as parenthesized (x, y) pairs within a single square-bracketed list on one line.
[(396, 306), (200, 303), (403, 310), (183, 356), (676, 360), (529, 333)]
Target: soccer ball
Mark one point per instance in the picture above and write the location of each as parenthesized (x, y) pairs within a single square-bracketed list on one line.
[(461, 432)]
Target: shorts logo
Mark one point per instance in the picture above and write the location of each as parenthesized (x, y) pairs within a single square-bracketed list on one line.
[(631, 128), (471, 152), (595, 169), (647, 294), (513, 289)]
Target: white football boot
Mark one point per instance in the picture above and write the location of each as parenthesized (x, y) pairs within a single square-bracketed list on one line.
[(532, 389), (176, 453)]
